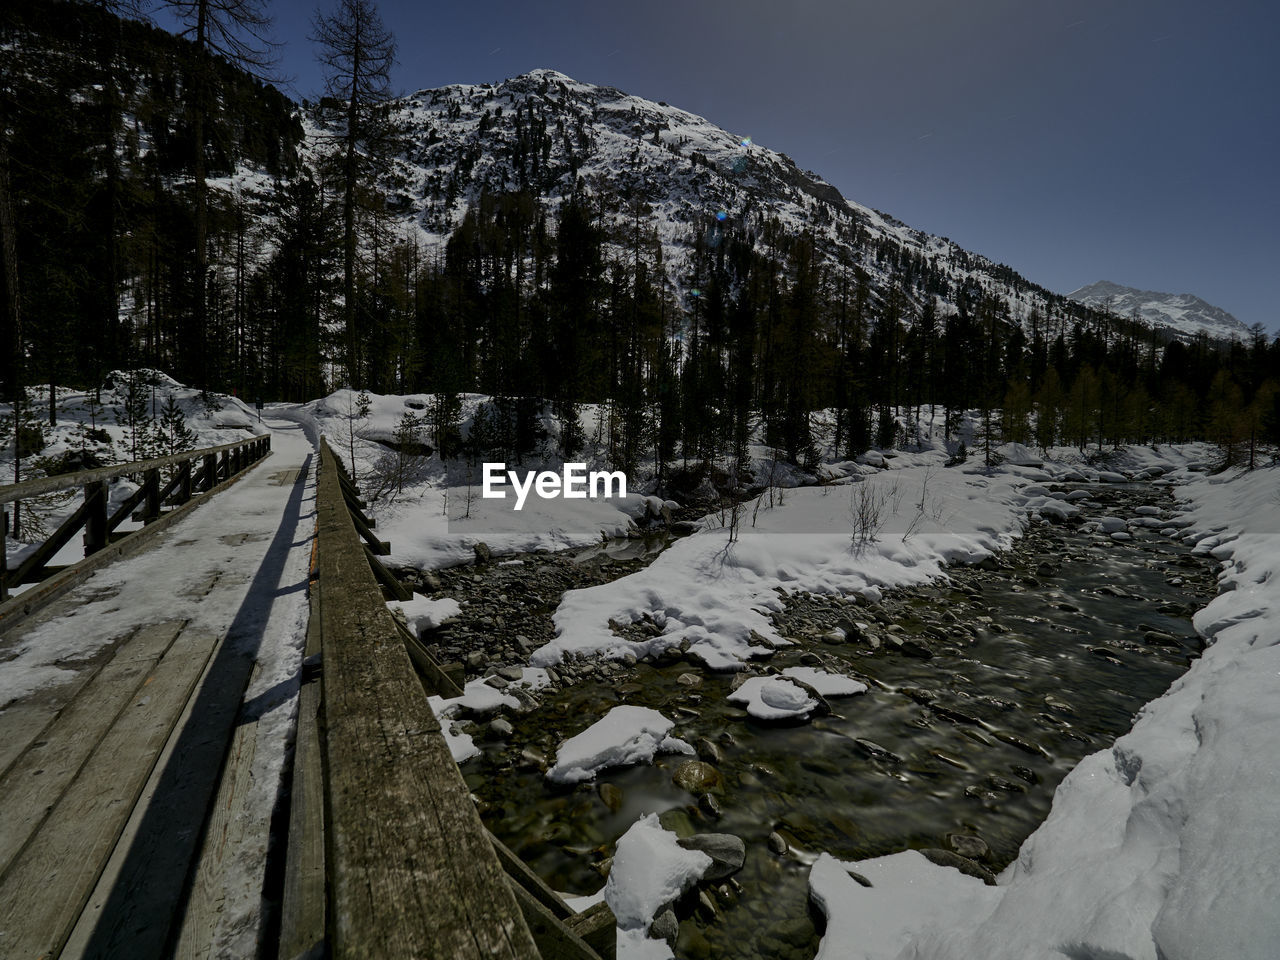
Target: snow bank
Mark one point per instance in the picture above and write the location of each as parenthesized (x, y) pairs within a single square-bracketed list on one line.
[(713, 596), (879, 921), (624, 735), (650, 870), (1167, 845), (422, 614)]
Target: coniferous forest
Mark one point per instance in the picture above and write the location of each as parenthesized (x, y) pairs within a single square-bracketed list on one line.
[(123, 247)]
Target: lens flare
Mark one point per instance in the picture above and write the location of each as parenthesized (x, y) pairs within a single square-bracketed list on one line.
[(745, 142), (722, 215)]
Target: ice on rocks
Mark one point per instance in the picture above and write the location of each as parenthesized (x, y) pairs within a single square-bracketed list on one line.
[(774, 698), (421, 614), (624, 735), (826, 684), (650, 870)]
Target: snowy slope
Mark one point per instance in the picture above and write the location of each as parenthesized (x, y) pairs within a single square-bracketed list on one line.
[(1184, 313), (551, 135)]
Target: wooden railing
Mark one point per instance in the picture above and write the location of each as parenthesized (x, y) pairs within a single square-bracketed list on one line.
[(197, 471), (387, 856)]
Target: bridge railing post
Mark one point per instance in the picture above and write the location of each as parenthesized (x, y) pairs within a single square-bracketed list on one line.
[(184, 482), (95, 522), (151, 482), (4, 561), (210, 471)]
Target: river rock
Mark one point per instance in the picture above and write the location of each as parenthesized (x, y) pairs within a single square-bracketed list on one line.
[(709, 805), (707, 750), (482, 551), (501, 728), (665, 926), (689, 680), (1159, 638), (697, 777), (611, 795), (727, 852), (677, 821), (945, 858), (877, 752), (777, 844), (914, 648)]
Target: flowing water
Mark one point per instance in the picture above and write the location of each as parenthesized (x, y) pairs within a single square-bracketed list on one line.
[(1033, 665)]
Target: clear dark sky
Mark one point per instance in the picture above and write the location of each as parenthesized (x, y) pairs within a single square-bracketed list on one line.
[(1075, 140)]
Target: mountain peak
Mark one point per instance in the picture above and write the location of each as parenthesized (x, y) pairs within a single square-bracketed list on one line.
[(1184, 313)]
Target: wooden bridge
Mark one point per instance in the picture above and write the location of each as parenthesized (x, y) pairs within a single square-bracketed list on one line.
[(154, 685)]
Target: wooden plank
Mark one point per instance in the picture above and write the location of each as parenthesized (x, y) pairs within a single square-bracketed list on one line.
[(45, 888), (17, 609), (302, 908), (230, 828), (32, 786), (434, 678), (555, 939), (599, 928), (137, 905), (57, 540), (412, 872), (383, 576), (20, 725), (520, 873)]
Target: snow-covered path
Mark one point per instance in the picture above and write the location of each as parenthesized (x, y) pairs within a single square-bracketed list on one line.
[(228, 584)]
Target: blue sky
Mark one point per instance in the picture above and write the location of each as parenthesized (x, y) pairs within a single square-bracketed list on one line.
[(1075, 140)]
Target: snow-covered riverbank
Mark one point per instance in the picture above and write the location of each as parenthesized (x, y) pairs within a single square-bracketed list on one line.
[(1163, 846)]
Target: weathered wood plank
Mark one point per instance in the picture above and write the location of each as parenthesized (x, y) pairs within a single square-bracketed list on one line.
[(554, 938), (31, 788), (302, 909), (137, 904), (19, 608), (437, 682), (412, 872), (45, 888), (599, 928), (520, 873), (230, 827), (394, 587)]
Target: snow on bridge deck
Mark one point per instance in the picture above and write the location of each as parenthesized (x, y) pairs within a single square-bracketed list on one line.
[(144, 719)]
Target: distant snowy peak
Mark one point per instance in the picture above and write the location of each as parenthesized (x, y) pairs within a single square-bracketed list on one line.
[(1184, 313)]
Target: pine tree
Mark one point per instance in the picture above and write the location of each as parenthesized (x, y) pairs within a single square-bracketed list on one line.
[(235, 31), (172, 435), (133, 413), (357, 53)]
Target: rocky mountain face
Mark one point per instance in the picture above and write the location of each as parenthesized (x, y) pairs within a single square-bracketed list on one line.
[(1184, 313), (652, 167)]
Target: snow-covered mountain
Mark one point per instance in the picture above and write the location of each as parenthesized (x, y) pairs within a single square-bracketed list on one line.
[(682, 176), (1184, 313)]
